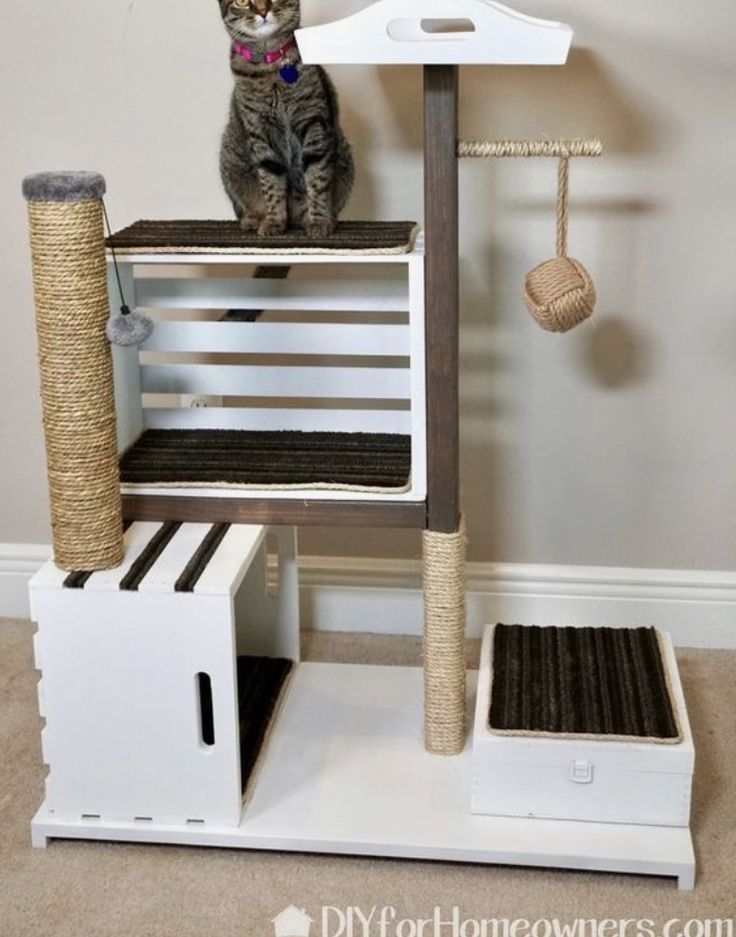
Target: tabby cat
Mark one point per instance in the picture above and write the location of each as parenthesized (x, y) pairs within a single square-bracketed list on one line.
[(284, 161)]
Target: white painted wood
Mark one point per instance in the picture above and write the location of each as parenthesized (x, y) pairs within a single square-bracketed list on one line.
[(272, 381), (119, 688), (267, 621), (346, 773), (136, 539), (235, 260), (122, 738), (322, 295), (266, 418), (624, 782), (19, 562), (164, 575), (294, 385), (357, 594), (49, 576), (290, 494), (226, 570), (281, 338), (696, 607), (126, 373), (418, 379), (424, 32)]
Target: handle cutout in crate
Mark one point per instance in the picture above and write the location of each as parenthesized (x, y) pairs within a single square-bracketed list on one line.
[(413, 30), (437, 32), (206, 710)]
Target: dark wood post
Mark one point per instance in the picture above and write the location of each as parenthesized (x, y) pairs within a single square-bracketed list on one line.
[(442, 289)]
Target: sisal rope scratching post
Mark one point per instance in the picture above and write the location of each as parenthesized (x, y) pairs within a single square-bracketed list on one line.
[(70, 285), (444, 641)]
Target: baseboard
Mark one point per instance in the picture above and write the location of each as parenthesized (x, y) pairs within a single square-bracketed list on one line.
[(698, 608), (18, 562)]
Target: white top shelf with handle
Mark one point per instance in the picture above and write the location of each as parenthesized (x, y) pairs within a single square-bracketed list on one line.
[(436, 32)]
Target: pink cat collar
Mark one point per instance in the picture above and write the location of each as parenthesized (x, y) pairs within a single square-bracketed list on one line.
[(268, 58)]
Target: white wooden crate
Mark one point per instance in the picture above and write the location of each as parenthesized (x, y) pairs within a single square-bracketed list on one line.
[(120, 688), (644, 783), (368, 374)]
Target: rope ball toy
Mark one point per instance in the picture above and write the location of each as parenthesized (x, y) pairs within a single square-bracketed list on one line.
[(560, 293)]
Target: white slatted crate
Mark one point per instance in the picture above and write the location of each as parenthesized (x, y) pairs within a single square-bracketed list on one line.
[(339, 348), (648, 783), (139, 685)]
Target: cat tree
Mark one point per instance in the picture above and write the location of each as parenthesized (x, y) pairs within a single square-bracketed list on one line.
[(342, 772)]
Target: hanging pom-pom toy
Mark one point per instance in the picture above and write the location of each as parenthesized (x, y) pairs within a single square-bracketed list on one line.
[(129, 328), (560, 293)]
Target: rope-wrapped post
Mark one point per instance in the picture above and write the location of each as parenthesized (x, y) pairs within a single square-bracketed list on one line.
[(70, 286), (445, 587)]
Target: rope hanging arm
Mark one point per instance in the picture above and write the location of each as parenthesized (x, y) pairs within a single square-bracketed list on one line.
[(526, 149), (559, 293)]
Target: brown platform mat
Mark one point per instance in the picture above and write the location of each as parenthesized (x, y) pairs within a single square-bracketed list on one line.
[(591, 682), (226, 237), (279, 460), (261, 681)]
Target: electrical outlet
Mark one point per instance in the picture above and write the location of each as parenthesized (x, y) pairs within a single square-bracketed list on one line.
[(199, 401)]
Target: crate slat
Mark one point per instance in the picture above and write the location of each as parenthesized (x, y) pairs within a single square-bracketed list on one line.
[(354, 295), (264, 418), (280, 338), (170, 565), (245, 381)]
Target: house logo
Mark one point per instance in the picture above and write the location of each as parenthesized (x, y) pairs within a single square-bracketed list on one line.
[(292, 923)]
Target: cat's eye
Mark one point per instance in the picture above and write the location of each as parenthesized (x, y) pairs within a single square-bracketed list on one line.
[(241, 4)]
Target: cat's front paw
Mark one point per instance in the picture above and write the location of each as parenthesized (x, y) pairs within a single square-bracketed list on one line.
[(320, 229), (250, 223), (272, 227)]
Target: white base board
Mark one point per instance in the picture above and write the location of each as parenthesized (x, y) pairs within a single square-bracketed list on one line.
[(696, 607), (346, 773)]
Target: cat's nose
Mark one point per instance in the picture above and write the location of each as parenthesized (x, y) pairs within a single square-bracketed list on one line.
[(263, 7)]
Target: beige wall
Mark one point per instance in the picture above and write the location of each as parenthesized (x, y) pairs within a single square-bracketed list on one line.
[(615, 445)]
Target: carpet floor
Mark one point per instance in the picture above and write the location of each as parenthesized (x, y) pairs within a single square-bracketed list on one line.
[(80, 889)]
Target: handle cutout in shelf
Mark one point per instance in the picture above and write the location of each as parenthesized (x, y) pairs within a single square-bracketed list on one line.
[(429, 29)]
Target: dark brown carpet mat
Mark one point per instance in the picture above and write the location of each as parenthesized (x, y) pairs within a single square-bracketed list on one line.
[(581, 681), (195, 568), (260, 682), (390, 237), (240, 457), (146, 561)]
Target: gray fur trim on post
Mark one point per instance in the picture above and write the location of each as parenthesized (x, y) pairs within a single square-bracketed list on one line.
[(64, 187)]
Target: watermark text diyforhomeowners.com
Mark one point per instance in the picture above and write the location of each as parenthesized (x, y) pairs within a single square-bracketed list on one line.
[(386, 921)]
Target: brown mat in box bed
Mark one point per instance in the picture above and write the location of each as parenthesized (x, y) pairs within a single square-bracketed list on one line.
[(248, 459), (261, 681), (606, 683), (226, 237)]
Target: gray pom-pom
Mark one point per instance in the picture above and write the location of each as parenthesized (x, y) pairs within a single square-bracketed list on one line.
[(129, 328)]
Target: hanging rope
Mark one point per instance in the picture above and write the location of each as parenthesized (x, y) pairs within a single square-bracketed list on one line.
[(560, 293), (563, 202)]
